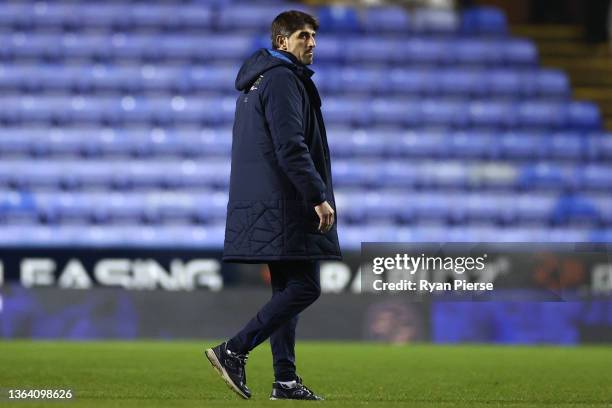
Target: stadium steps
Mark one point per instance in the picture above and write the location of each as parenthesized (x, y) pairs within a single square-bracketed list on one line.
[(588, 65)]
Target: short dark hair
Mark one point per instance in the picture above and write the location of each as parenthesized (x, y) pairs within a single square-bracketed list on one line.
[(288, 22)]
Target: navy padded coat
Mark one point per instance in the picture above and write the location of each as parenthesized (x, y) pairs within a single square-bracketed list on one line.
[(280, 165)]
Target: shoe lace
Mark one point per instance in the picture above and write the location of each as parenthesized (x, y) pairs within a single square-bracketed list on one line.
[(242, 359), (304, 388)]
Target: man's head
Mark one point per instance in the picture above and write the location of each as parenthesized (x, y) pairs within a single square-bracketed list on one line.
[(294, 32)]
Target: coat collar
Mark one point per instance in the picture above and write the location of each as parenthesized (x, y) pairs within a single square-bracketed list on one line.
[(291, 59)]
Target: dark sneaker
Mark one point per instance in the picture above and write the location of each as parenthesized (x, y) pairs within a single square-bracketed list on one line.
[(230, 366), (297, 392)]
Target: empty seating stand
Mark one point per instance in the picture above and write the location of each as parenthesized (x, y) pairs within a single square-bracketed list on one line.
[(117, 118)]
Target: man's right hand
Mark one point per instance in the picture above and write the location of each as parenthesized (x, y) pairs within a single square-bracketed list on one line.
[(326, 216)]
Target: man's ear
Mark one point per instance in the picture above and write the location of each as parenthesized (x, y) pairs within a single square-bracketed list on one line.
[(281, 42)]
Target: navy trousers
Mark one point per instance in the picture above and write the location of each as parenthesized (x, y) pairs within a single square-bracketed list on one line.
[(295, 286)]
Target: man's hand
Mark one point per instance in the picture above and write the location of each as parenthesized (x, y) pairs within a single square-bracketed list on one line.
[(326, 216)]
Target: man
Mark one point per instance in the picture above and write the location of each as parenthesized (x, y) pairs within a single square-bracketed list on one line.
[(281, 206)]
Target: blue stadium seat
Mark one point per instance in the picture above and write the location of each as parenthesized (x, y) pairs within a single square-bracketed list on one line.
[(223, 47), (431, 206), (360, 143), (211, 78), (462, 82), (471, 145), (421, 144), (372, 49), (566, 145), (575, 208), (494, 207), (537, 114), (451, 174), (14, 14), (411, 81), (596, 176), (535, 207), (503, 81), (395, 111), (345, 111), (249, 17), (98, 46), (599, 146), (584, 115), (491, 113), (17, 141), (444, 112), (17, 207), (33, 46), (546, 176), (477, 52), (91, 174), (421, 51), (352, 79), (522, 145), (435, 21), (183, 47), (350, 174), (483, 20), (603, 205), (338, 18), (104, 15), (156, 16), (519, 52), (210, 207), (378, 207), (385, 19), (195, 16), (549, 82)]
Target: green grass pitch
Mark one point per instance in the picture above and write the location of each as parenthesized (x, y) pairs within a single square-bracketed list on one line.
[(176, 374)]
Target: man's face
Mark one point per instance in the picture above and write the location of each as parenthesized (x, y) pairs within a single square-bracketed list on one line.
[(300, 43)]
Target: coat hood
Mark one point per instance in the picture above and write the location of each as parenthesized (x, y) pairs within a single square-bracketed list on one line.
[(263, 60)]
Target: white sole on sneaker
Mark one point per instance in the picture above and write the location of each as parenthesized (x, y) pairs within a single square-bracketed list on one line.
[(214, 361)]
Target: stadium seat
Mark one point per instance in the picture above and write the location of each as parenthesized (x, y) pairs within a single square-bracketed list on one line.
[(596, 176), (575, 208), (477, 52), (443, 112), (503, 81), (519, 52), (411, 81), (421, 144), (392, 111), (584, 115), (566, 145), (338, 18), (492, 114), (543, 115), (545, 175), (599, 146), (521, 145), (460, 82), (385, 19), (435, 21), (483, 20), (421, 50), (250, 17)]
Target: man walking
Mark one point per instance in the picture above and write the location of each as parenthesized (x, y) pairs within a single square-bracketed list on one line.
[(281, 206)]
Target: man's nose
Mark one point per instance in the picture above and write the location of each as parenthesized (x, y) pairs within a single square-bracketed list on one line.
[(311, 42)]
